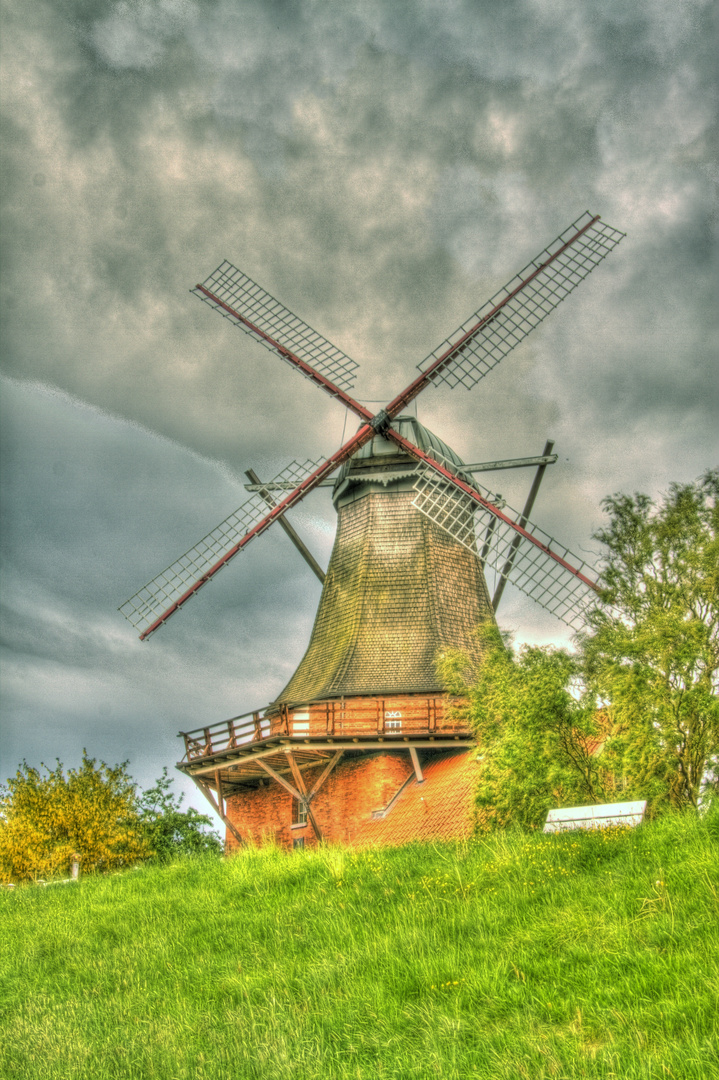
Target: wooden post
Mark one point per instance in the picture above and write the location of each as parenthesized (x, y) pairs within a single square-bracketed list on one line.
[(207, 792), (304, 799), (416, 765), (258, 727)]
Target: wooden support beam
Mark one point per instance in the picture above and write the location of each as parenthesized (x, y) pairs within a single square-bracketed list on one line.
[(323, 746), (207, 792), (304, 799), (280, 780), (299, 544), (323, 776), (506, 569), (299, 779), (416, 764), (313, 823), (218, 788)]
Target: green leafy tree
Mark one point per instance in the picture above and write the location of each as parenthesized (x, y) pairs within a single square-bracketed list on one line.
[(46, 821), (171, 831), (535, 736), (651, 655)]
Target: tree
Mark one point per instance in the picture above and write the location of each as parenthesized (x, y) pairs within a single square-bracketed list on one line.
[(651, 655), (96, 814), (535, 735), (643, 688), (45, 821), (171, 831)]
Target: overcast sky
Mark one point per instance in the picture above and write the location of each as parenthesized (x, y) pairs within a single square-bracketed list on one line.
[(382, 169)]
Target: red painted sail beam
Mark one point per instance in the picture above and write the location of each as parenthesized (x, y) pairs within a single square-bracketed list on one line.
[(426, 377), (466, 489), (292, 358)]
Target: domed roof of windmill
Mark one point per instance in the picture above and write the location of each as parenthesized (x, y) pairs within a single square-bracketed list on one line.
[(380, 462), (398, 588)]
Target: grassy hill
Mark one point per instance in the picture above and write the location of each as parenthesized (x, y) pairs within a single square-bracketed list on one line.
[(582, 955)]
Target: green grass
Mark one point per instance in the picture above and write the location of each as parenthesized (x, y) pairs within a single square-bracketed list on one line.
[(581, 955)]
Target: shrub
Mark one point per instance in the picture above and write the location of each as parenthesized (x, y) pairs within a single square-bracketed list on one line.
[(48, 820)]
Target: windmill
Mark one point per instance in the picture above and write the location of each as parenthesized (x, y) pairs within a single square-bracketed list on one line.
[(415, 531)]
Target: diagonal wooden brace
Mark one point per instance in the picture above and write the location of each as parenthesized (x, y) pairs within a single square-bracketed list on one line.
[(323, 775), (280, 780), (304, 798), (416, 765), (206, 790)]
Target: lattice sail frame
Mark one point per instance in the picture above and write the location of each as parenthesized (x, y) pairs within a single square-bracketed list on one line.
[(153, 599), (522, 313), (499, 545), (268, 315)]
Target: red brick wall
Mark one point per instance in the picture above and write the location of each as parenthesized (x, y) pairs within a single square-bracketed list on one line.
[(355, 788)]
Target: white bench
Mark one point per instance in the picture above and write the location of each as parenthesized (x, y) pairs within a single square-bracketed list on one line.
[(595, 817)]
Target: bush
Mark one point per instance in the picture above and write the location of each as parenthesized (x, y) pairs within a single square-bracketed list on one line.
[(95, 815), (47, 821)]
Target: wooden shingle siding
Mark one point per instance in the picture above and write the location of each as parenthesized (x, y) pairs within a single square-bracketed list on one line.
[(398, 590)]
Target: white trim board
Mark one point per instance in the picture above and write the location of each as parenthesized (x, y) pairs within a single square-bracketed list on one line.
[(595, 817)]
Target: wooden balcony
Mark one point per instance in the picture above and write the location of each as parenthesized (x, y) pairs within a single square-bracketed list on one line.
[(366, 720)]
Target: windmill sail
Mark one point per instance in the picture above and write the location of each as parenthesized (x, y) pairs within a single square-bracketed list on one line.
[(546, 571), (184, 577), (534, 562), (233, 294), (481, 342)]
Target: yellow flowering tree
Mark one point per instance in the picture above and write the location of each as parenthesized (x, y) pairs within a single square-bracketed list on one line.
[(47, 820)]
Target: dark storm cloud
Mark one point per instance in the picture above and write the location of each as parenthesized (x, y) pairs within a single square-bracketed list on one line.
[(382, 169)]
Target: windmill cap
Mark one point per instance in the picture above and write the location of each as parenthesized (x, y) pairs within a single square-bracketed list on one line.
[(381, 463)]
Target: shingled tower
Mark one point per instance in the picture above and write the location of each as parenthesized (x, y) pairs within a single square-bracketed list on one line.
[(398, 588)]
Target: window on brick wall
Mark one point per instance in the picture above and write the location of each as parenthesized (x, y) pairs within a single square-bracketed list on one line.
[(299, 813), (298, 842), (393, 721)]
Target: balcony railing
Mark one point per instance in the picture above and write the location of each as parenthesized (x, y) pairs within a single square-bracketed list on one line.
[(349, 718)]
